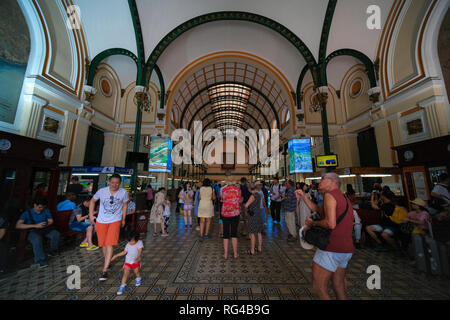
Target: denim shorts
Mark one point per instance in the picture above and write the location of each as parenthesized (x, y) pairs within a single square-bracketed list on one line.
[(389, 230), (332, 260), (79, 226)]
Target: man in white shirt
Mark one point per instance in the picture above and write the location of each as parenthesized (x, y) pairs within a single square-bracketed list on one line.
[(112, 215), (440, 191), (275, 203)]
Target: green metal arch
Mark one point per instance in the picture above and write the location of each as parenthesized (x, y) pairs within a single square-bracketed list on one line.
[(249, 103), (299, 87), (229, 118), (361, 57), (231, 15), (105, 54), (230, 82), (324, 42), (161, 85)]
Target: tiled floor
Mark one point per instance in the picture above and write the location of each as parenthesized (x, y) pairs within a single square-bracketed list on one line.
[(180, 267)]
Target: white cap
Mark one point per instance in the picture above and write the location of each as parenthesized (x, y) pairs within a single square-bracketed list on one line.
[(305, 245)]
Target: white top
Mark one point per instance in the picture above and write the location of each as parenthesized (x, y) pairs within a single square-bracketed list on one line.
[(133, 251), (357, 218), (276, 190), (442, 190), (261, 193), (110, 205), (166, 210)]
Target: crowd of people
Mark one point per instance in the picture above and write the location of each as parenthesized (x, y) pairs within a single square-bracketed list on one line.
[(242, 208)]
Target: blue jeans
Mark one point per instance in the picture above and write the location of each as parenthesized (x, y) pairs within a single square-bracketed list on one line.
[(357, 228), (36, 240)]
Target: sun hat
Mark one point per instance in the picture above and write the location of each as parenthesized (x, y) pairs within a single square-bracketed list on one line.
[(419, 202), (305, 245)]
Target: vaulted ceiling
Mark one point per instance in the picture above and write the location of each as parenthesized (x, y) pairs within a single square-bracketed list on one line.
[(290, 34)]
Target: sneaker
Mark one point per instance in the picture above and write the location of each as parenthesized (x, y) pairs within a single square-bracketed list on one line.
[(43, 264), (138, 282), (103, 277), (380, 248), (206, 237), (121, 290), (92, 248), (164, 235), (53, 254), (84, 245)]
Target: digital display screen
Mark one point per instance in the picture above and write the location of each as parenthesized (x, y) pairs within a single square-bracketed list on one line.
[(160, 159), (300, 156), (327, 161), (88, 185)]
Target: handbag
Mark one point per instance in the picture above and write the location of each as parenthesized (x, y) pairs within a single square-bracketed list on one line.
[(320, 237)]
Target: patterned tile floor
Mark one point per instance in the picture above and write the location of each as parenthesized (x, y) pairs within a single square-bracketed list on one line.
[(180, 267)]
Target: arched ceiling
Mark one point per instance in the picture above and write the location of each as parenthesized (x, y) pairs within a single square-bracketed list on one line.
[(245, 94)]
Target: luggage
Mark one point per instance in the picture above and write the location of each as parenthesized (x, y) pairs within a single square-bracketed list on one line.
[(419, 253), (437, 254)]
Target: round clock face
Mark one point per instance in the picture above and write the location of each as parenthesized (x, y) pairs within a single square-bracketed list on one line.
[(48, 153), (5, 144), (409, 155)]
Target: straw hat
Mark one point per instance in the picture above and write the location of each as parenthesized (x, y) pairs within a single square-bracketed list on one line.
[(305, 245), (419, 202)]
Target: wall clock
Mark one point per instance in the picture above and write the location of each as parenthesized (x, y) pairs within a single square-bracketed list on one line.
[(5, 145), (409, 155), (48, 153)]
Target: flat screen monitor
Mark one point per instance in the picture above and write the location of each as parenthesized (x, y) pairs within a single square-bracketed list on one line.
[(160, 159), (300, 156), (327, 161), (88, 185)]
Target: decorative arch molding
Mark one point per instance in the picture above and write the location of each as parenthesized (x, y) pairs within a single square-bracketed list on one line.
[(102, 56), (361, 57), (231, 15), (230, 82), (272, 70), (112, 76), (249, 103)]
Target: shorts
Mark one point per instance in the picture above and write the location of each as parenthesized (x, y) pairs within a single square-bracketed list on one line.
[(132, 266), (188, 207), (389, 230), (332, 260), (108, 233), (79, 226)]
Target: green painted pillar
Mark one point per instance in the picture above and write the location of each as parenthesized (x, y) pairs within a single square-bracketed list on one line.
[(137, 144), (326, 138)]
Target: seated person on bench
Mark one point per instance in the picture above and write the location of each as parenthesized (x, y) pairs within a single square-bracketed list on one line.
[(68, 204), (391, 218), (79, 221), (39, 223)]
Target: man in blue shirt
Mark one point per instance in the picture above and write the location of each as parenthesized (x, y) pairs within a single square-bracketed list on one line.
[(37, 221), (68, 204)]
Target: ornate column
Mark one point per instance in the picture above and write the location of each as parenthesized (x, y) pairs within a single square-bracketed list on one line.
[(322, 97), (140, 93), (31, 118)]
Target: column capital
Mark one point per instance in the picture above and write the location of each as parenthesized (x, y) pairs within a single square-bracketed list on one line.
[(89, 92)]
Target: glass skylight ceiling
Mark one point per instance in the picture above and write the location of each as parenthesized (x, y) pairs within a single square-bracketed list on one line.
[(229, 103)]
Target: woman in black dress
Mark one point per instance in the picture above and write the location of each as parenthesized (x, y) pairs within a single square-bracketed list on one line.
[(255, 222)]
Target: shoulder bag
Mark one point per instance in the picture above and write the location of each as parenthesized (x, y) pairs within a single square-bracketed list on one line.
[(320, 237)]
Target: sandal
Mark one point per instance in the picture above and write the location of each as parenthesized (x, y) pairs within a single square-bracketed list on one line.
[(249, 252)]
